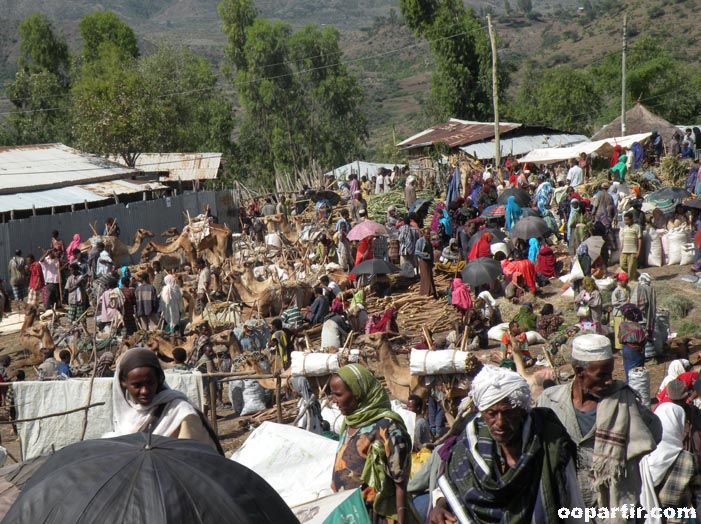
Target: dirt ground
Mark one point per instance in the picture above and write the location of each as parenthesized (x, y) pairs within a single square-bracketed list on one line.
[(233, 431)]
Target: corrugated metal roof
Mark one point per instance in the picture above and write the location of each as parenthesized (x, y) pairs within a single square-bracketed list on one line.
[(39, 167), (179, 166), (522, 144), (456, 133), (78, 195)]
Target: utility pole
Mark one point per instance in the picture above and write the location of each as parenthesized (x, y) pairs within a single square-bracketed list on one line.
[(623, 77), (495, 93)]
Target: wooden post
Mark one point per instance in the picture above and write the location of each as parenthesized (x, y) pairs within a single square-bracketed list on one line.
[(495, 93), (278, 397), (213, 404), (623, 77)]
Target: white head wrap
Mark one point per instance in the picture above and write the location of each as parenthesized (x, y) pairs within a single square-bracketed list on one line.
[(591, 348), (644, 278), (498, 247), (493, 384), (676, 368)]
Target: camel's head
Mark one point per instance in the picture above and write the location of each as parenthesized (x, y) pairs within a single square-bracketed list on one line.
[(144, 233), (374, 340), (170, 232), (149, 249)]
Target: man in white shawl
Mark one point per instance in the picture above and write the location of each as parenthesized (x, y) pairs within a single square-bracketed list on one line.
[(612, 429), (670, 478), (172, 304), (142, 401)]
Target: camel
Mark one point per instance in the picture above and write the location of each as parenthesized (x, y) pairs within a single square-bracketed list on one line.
[(33, 337), (170, 234), (270, 296), (117, 248), (217, 242), (279, 223), (160, 343)]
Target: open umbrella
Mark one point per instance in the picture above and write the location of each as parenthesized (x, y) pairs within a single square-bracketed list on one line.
[(323, 194), (494, 211), (694, 203), (669, 193), (594, 245), (420, 206), (146, 478), (369, 228), (497, 236), (376, 266), (481, 271), (530, 227), (522, 197), (530, 212)]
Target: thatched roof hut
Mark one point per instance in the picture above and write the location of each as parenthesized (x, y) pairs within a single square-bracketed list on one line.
[(638, 120)]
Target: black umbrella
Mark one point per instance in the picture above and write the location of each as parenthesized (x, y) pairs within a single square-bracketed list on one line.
[(523, 199), (376, 266), (333, 198), (530, 227), (530, 212), (420, 205), (126, 480), (481, 271), (497, 236), (669, 193), (694, 203)]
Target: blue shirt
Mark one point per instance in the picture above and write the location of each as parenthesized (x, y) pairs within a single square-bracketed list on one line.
[(63, 369)]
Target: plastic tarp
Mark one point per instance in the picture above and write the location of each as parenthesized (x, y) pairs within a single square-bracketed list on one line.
[(521, 145), (37, 399), (552, 155), (345, 507), (296, 463)]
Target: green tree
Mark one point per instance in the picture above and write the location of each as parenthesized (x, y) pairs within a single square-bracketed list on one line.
[(105, 27), (167, 101), (39, 90), (461, 81), (300, 104), (237, 16), (563, 98), (526, 6), (41, 48)]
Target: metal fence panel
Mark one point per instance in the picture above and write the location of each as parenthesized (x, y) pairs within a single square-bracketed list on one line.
[(33, 234)]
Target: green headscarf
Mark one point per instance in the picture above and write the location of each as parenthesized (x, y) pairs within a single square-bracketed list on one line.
[(373, 401)]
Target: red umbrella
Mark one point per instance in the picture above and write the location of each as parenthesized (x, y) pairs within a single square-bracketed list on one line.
[(366, 229), (494, 211)]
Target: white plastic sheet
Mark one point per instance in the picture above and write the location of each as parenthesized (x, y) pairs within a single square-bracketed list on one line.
[(313, 364), (439, 362), (296, 463)]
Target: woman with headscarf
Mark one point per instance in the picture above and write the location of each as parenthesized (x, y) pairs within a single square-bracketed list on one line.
[(488, 195), (123, 273), (589, 308), (424, 253), (513, 213), (619, 170), (461, 297), (543, 195), (584, 259), (374, 451), (527, 320), (676, 368), (172, 305), (142, 401), (481, 248), (128, 305), (533, 250), (669, 474), (614, 156), (549, 322), (75, 244), (619, 297), (546, 262), (364, 251), (579, 225)]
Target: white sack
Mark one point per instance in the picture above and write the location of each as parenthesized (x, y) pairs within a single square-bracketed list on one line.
[(438, 362), (676, 239), (313, 364), (496, 332), (688, 254), (654, 257)]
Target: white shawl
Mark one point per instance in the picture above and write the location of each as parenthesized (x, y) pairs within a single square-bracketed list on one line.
[(653, 467), (676, 368)]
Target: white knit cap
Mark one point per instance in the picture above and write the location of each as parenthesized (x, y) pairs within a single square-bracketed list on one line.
[(591, 348), (493, 384)]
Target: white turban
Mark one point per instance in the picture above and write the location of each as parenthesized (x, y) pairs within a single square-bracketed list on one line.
[(591, 348), (493, 384)]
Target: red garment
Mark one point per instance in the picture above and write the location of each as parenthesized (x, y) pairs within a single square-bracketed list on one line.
[(546, 262), (575, 196), (688, 378), (481, 248), (36, 276), (614, 156), (364, 251), (525, 268), (512, 180), (697, 239), (386, 323)]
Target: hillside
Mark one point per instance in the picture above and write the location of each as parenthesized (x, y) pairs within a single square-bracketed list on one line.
[(393, 66)]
